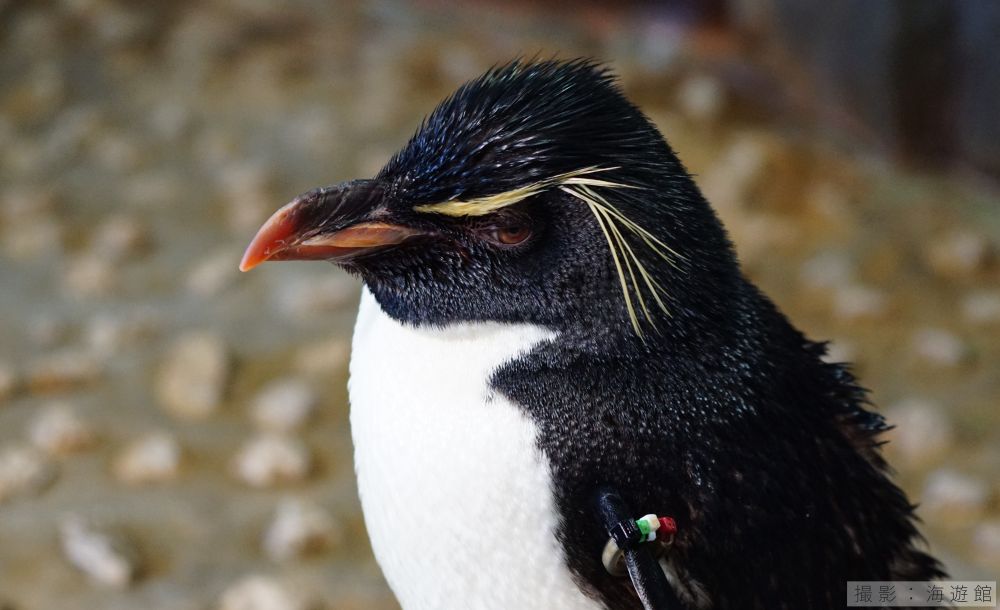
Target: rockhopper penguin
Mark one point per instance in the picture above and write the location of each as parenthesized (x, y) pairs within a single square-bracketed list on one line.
[(550, 307)]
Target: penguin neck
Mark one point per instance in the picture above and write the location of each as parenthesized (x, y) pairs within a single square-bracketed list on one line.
[(703, 318)]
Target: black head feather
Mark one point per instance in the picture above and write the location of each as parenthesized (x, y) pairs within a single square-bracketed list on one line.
[(519, 123)]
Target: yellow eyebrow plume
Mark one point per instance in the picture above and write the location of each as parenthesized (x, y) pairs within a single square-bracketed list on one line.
[(480, 206)]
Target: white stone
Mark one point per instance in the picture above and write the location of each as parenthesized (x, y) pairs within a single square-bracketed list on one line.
[(151, 458), (58, 430), (827, 270), (953, 499), (856, 302), (701, 98), (299, 527), (107, 559), (982, 307), (922, 433), (271, 459), (284, 405), (23, 471), (193, 377), (258, 592), (959, 254), (940, 347)]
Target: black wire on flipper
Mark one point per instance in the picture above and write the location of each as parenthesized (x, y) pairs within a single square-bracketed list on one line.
[(647, 576)]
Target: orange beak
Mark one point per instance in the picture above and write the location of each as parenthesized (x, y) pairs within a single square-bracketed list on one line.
[(286, 235)]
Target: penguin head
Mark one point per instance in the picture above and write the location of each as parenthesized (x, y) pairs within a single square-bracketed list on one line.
[(536, 193)]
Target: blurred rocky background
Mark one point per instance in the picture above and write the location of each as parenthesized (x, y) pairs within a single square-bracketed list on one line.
[(174, 435)]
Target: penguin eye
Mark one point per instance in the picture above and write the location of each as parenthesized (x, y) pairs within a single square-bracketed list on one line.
[(506, 229), (510, 235)]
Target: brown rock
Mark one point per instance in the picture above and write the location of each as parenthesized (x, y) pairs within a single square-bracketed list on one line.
[(856, 302), (63, 370), (8, 382), (827, 270), (193, 377), (120, 238)]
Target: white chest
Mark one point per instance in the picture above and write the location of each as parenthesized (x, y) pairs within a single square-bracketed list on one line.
[(457, 498)]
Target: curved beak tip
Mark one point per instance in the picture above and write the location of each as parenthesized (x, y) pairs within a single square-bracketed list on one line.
[(248, 262), (256, 253), (270, 238)]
